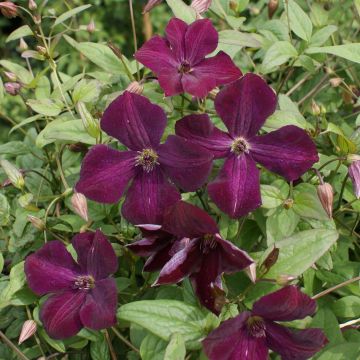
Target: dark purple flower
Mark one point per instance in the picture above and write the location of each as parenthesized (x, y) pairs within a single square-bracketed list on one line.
[(202, 253), (250, 335), (179, 60), (139, 125), (82, 293), (354, 173), (244, 106)]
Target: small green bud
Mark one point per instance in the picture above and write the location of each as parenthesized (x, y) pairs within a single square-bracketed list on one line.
[(13, 173), (90, 124)]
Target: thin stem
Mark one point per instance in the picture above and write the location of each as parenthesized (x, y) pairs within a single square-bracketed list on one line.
[(134, 35), (342, 191), (336, 287), (62, 175), (8, 342), (111, 348), (124, 340), (349, 323)]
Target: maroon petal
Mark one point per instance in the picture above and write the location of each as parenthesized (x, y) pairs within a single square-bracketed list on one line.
[(209, 73), (170, 81), (146, 246), (99, 309), (286, 304), (232, 258), (134, 121), (245, 105), (294, 344), (60, 314), (159, 259), (156, 55), (147, 198), (187, 164), (186, 220), (200, 130), (182, 264), (201, 39), (96, 256), (354, 173), (231, 341), (236, 190), (51, 269), (105, 173), (288, 151), (175, 34)]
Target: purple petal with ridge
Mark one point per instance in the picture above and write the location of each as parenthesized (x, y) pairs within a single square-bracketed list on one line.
[(245, 104), (105, 173), (175, 34), (96, 256), (134, 121), (157, 261), (286, 304), (170, 81), (51, 269), (354, 173), (288, 151), (236, 190)]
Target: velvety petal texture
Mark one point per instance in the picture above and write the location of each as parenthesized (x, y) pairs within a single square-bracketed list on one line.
[(354, 172)]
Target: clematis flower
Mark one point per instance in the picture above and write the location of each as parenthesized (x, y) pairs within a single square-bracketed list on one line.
[(354, 173), (250, 335), (179, 60), (139, 125), (244, 106), (204, 255), (81, 293)]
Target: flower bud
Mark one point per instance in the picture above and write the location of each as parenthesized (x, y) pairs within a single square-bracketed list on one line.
[(288, 204), (354, 173), (150, 5), (41, 50), (91, 27), (272, 7), (36, 222), (135, 87), (13, 173), (335, 82), (23, 45), (326, 197), (32, 5), (90, 124), (315, 108), (10, 76), (79, 203), (28, 329), (25, 200), (8, 9), (284, 280), (250, 271), (37, 19), (78, 147), (200, 6), (233, 5), (271, 259), (353, 157), (254, 10), (12, 88)]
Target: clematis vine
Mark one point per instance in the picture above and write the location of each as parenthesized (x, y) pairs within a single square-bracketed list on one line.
[(244, 106), (179, 60), (250, 335), (147, 165), (202, 254), (82, 293)]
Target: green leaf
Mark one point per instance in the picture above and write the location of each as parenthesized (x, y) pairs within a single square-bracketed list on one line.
[(271, 197), (301, 250), (56, 344), (20, 32), (300, 22), (23, 74), (165, 317), (14, 148), (182, 11), (152, 348), (347, 51), (99, 350), (279, 53), (1, 260), (46, 107), (68, 14), (2, 91), (86, 91), (326, 320), (346, 351), (322, 35), (347, 307), (23, 123), (176, 349)]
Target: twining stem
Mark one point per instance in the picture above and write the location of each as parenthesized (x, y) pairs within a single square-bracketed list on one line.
[(342, 191), (111, 348), (336, 287), (9, 343), (124, 340), (134, 35)]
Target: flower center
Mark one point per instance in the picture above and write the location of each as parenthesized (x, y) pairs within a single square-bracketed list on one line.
[(256, 326), (85, 282), (184, 67), (147, 159), (208, 243), (240, 146)]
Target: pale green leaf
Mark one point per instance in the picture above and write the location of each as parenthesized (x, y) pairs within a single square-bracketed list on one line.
[(300, 22), (322, 35), (349, 52), (347, 307), (1, 259), (4, 215), (23, 74), (345, 351), (20, 32), (176, 349), (279, 53), (182, 11), (46, 107), (152, 348), (25, 122), (68, 14)]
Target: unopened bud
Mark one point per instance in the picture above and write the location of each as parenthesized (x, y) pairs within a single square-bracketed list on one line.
[(353, 157), (79, 203), (271, 259), (10, 76), (91, 27), (315, 108), (12, 88), (354, 173), (335, 82), (254, 10), (272, 7), (326, 196), (200, 6), (90, 124), (37, 19), (32, 5), (23, 46), (78, 147), (250, 271), (288, 204), (284, 280), (41, 50), (233, 5), (150, 5), (329, 70), (25, 200), (8, 9), (13, 173), (36, 222), (28, 329), (135, 87)]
